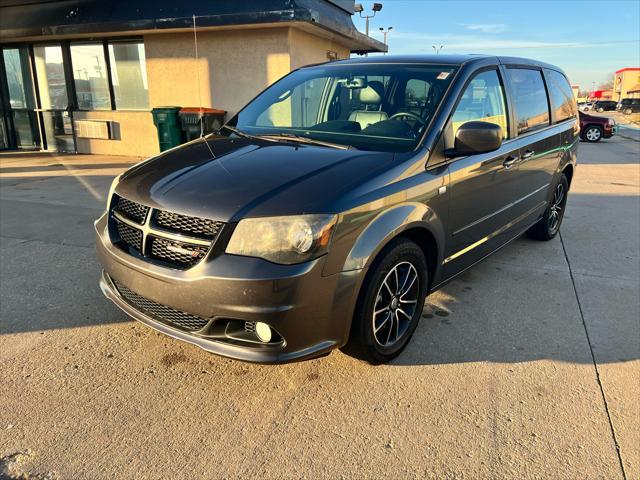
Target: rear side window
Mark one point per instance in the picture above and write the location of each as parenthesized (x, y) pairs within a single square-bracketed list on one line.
[(530, 99), (562, 101)]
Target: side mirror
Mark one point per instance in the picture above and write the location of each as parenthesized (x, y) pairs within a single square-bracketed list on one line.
[(477, 137)]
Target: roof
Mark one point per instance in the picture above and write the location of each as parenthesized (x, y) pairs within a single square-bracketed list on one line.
[(627, 69), (50, 19), (448, 59)]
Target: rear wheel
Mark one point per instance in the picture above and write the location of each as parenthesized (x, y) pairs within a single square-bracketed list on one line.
[(549, 225), (627, 111), (592, 133), (600, 109), (390, 303)]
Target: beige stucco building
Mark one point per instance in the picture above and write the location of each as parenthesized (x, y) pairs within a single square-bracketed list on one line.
[(626, 84), (56, 75)]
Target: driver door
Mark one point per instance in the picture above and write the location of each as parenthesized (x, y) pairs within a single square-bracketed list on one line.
[(482, 186)]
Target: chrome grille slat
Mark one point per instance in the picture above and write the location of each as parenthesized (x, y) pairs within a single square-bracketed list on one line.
[(174, 239), (178, 318)]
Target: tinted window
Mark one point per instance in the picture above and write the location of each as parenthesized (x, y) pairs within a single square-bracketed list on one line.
[(562, 101), (483, 100), (530, 99)]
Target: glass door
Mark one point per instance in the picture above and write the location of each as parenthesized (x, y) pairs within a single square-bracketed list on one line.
[(54, 98), (21, 106)]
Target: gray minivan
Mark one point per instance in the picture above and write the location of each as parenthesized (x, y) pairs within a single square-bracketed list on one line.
[(325, 211)]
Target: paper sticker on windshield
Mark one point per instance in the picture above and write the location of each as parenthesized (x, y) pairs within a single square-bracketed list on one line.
[(443, 75)]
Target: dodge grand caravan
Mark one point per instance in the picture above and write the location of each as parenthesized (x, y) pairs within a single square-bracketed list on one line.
[(327, 209)]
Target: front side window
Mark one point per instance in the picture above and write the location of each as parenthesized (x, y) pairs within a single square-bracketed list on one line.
[(530, 99), (372, 107), (129, 75), (482, 100), (564, 105), (90, 76)]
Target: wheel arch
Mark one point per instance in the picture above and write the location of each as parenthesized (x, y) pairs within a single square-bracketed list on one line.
[(413, 221), (568, 172)]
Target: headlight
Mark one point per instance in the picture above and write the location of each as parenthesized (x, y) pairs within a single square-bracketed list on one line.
[(284, 240), (611, 121), (112, 189)]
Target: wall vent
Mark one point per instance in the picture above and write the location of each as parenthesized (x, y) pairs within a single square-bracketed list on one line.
[(94, 129)]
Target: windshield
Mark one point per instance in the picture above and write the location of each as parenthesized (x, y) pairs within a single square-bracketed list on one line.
[(371, 107)]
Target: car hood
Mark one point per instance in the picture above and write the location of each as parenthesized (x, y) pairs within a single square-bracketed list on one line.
[(231, 178)]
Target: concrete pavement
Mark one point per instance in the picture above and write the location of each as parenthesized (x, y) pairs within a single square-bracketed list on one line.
[(527, 366)]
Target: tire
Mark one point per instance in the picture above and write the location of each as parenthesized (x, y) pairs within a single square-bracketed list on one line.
[(592, 134), (627, 111), (601, 110), (377, 318), (549, 225)]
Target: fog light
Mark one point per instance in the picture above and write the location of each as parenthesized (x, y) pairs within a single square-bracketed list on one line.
[(263, 331)]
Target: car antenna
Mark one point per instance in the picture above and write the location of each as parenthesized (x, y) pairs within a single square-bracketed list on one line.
[(195, 42)]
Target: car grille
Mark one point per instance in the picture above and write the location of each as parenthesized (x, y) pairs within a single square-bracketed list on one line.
[(177, 252), (177, 318), (202, 227), (168, 238), (131, 210), (129, 235)]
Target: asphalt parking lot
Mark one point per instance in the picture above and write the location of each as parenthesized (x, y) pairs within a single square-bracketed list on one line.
[(527, 366)]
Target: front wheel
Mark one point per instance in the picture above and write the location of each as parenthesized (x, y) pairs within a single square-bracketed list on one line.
[(390, 303), (549, 225), (592, 134), (627, 111), (601, 110)]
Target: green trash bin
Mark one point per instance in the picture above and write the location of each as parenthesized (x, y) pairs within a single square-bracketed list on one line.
[(167, 122)]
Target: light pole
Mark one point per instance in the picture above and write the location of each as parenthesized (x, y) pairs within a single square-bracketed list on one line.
[(359, 8), (384, 32), (437, 49)]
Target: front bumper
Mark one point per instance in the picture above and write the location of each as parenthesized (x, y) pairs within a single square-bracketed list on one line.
[(310, 311)]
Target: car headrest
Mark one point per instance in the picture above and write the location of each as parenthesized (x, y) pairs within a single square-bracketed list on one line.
[(372, 94)]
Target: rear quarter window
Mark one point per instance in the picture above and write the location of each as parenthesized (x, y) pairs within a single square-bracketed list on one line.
[(529, 98), (562, 100)]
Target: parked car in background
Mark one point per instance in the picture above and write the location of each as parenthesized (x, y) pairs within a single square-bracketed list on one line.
[(594, 129), (631, 105), (326, 210), (605, 105), (586, 106), (627, 103)]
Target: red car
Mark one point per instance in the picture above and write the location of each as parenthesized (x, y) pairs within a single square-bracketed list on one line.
[(593, 129)]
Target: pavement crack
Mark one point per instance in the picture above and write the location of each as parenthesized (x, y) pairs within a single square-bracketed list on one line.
[(593, 359)]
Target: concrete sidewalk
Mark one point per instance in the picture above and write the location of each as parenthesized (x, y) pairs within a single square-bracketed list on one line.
[(525, 367)]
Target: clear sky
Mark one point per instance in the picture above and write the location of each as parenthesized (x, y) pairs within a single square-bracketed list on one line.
[(588, 39)]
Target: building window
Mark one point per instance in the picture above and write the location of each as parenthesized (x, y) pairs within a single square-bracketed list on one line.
[(50, 70), (90, 76), (129, 75)]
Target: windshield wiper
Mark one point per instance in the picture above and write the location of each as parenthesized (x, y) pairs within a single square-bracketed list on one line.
[(306, 140), (240, 133)]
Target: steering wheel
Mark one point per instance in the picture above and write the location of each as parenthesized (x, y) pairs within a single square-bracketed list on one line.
[(410, 115)]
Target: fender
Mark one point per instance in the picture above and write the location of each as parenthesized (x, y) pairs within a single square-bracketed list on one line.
[(387, 225)]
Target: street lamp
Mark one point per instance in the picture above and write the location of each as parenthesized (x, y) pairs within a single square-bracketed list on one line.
[(359, 9), (437, 49), (384, 32)]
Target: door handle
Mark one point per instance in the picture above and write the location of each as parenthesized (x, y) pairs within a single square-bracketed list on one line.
[(509, 161), (527, 154)]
